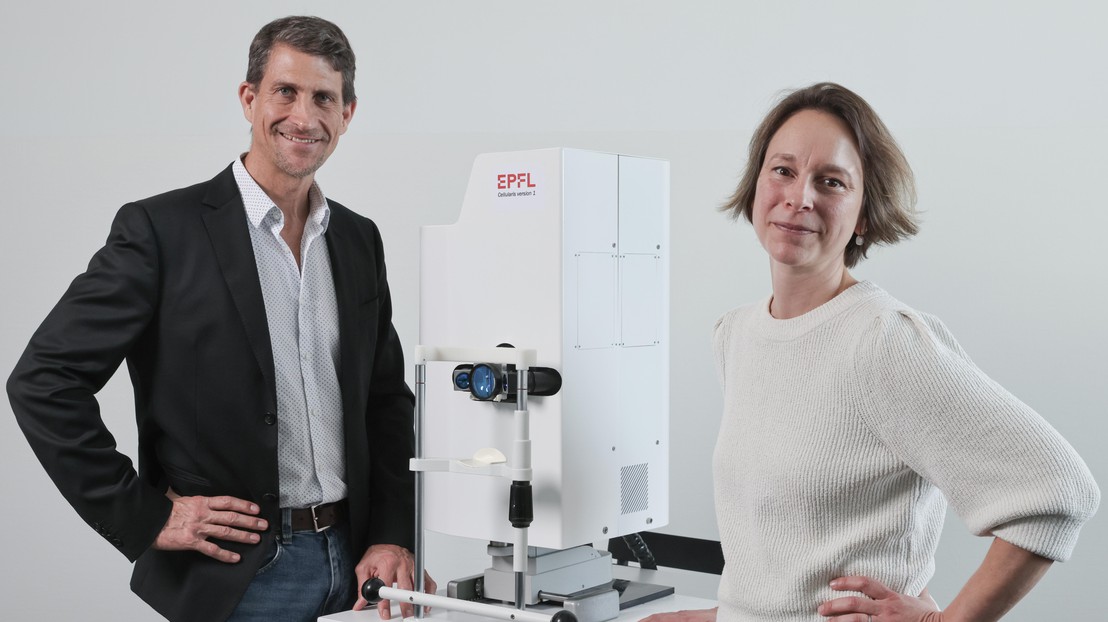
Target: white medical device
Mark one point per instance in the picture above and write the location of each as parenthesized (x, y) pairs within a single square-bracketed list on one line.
[(563, 253)]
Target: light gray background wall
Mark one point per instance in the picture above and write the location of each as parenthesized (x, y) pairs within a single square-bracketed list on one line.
[(999, 105)]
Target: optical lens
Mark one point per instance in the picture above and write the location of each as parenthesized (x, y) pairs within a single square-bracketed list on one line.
[(461, 380), (483, 382)]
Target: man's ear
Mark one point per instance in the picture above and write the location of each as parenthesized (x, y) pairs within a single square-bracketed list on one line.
[(347, 115), (246, 98)]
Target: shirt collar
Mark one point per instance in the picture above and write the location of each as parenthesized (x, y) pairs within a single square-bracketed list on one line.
[(259, 206)]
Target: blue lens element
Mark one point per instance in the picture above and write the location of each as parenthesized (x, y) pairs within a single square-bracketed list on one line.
[(484, 382), (462, 380)]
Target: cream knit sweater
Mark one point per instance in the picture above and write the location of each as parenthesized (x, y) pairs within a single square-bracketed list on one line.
[(844, 433)]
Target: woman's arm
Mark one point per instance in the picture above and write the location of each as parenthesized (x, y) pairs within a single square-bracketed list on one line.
[(1005, 576)]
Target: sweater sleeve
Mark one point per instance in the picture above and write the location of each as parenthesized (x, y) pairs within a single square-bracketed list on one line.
[(721, 334), (1005, 470)]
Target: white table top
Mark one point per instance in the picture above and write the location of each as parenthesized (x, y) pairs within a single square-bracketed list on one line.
[(673, 602)]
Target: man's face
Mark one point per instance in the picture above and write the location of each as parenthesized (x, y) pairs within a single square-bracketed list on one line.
[(297, 115)]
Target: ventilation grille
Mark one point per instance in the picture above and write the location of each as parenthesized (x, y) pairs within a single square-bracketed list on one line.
[(634, 488)]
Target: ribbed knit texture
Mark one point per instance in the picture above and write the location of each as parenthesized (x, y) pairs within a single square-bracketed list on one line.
[(842, 431)]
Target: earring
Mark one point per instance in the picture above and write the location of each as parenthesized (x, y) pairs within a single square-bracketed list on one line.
[(859, 240)]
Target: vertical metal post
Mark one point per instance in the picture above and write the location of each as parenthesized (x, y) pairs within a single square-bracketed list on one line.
[(523, 461), (420, 398)]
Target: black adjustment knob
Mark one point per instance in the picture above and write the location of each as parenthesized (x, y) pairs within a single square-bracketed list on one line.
[(563, 616), (521, 508), (371, 591)]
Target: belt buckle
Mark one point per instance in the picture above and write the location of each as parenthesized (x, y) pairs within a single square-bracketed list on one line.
[(315, 519)]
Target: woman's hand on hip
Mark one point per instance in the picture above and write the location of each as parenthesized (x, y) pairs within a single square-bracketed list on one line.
[(879, 603)]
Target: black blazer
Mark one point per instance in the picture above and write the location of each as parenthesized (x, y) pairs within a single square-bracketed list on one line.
[(175, 292)]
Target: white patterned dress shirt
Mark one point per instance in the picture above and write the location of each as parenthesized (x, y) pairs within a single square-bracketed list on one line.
[(303, 322)]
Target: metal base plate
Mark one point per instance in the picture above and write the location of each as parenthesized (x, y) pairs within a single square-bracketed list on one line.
[(594, 605), (633, 593)]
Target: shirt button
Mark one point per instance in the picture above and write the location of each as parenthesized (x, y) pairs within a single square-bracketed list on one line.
[(269, 496), (270, 419)]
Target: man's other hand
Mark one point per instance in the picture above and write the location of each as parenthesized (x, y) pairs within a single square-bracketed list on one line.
[(394, 565)]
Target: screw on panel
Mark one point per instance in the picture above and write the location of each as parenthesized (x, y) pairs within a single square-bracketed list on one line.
[(605, 530), (649, 521)]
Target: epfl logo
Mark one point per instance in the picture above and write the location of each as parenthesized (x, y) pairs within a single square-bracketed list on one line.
[(509, 181)]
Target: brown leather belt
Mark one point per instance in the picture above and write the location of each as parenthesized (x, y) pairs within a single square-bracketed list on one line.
[(318, 517)]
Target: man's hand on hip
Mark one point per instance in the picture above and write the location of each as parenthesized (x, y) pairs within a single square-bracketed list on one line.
[(195, 519)]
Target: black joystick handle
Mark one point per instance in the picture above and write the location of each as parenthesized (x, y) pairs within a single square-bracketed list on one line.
[(371, 591), (563, 616)]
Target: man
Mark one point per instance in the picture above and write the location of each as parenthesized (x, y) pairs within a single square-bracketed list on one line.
[(274, 424)]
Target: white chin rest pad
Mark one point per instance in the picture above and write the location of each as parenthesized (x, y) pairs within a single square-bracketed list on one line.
[(485, 456)]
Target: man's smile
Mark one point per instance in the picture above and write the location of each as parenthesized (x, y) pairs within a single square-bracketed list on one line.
[(295, 139)]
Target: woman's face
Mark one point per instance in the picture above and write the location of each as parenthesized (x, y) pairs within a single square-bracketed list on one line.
[(809, 193)]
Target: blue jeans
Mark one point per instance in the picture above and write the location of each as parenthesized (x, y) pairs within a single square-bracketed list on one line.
[(308, 575)]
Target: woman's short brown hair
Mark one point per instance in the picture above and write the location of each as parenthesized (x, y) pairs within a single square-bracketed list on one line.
[(889, 187)]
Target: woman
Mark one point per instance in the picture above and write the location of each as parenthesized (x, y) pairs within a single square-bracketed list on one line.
[(846, 412)]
